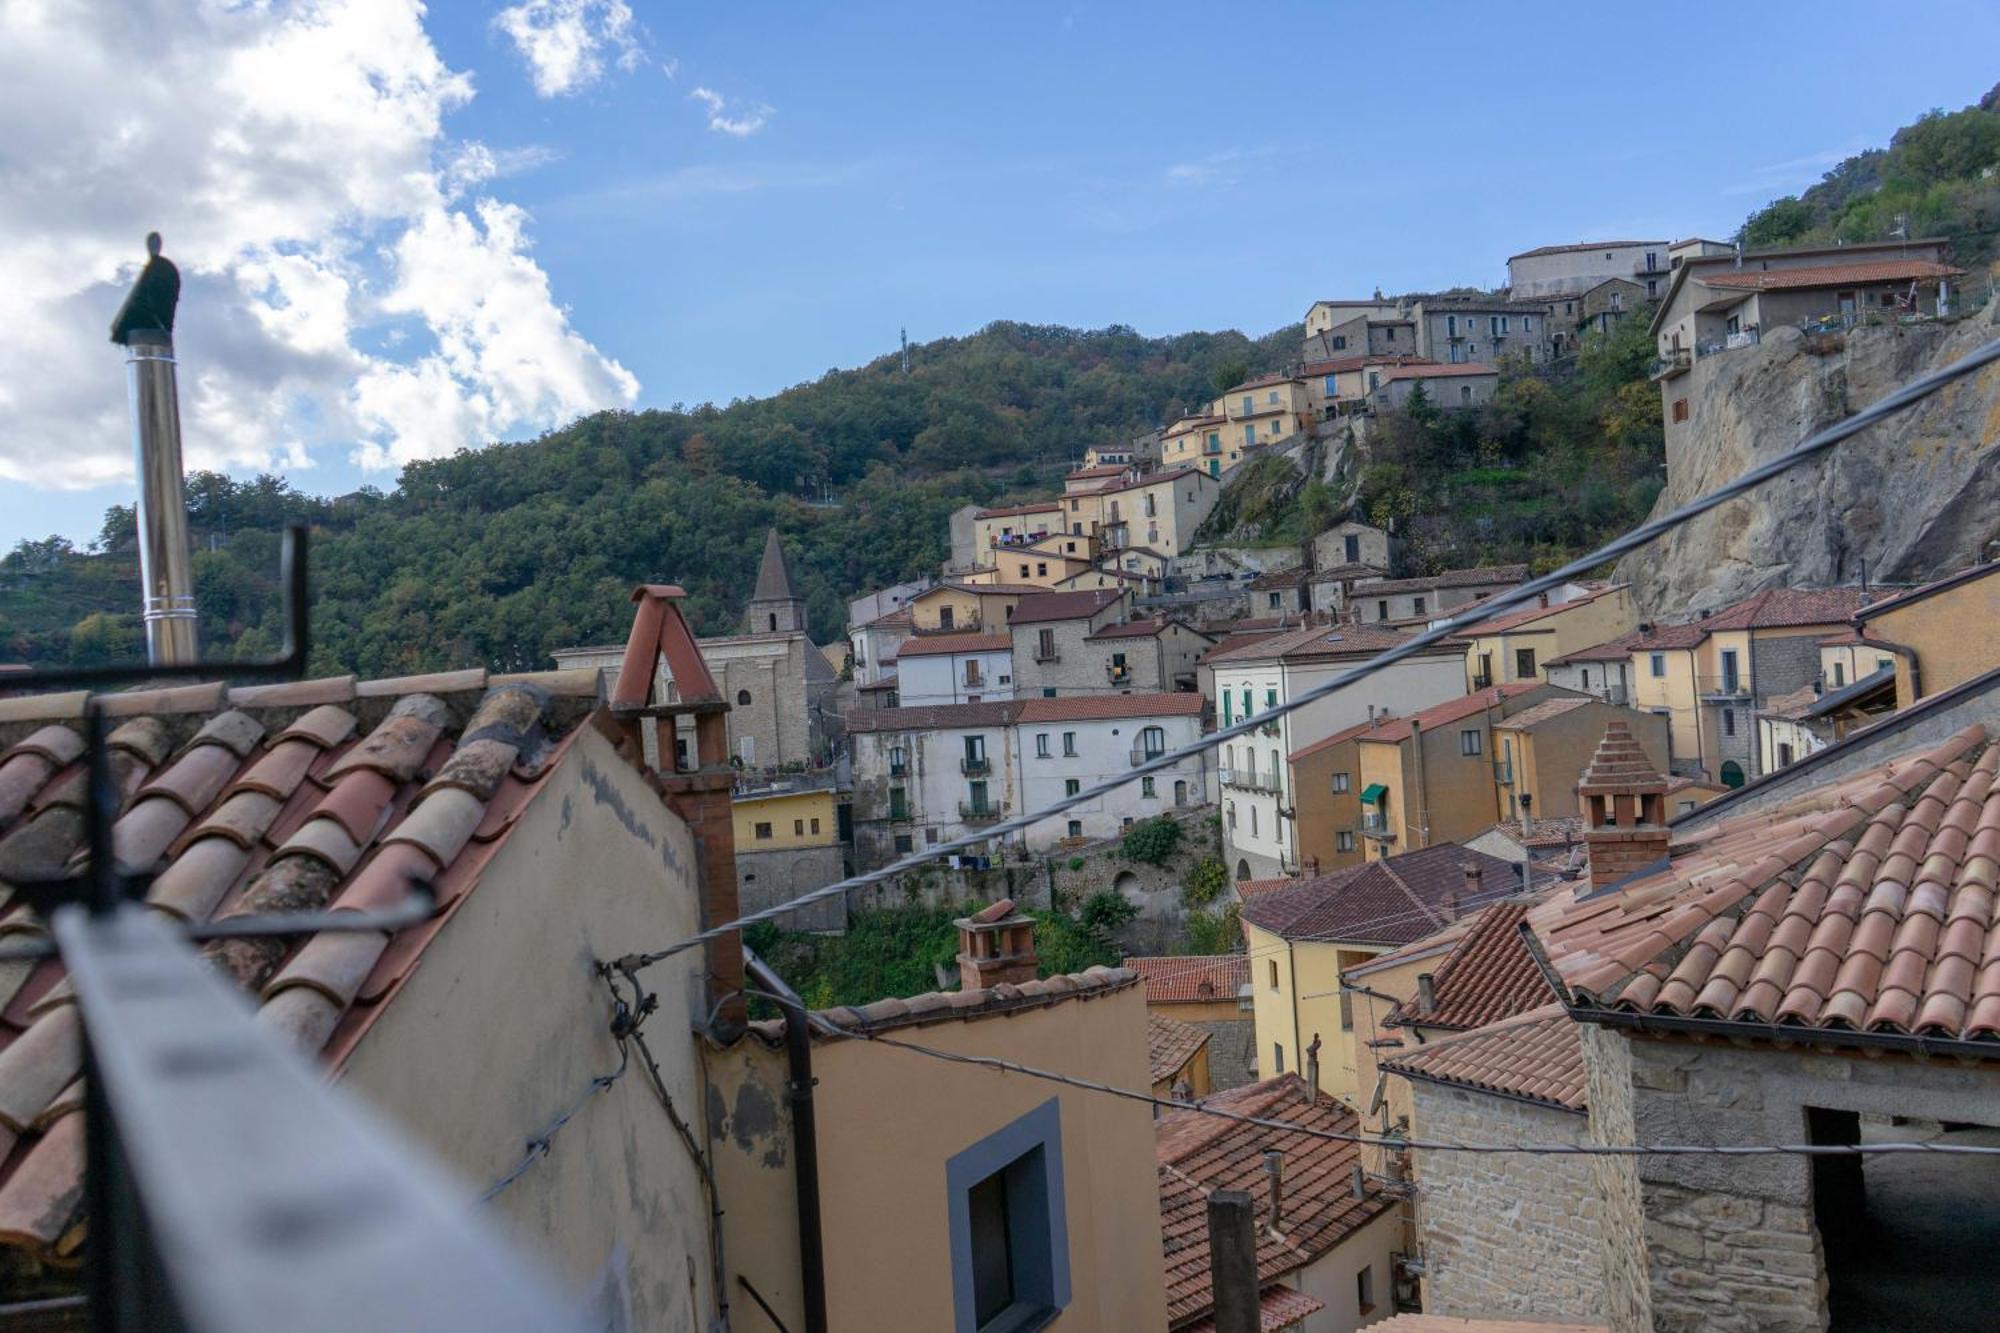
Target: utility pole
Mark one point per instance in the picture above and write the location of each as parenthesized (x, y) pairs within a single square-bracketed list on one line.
[(1232, 1261), (905, 333)]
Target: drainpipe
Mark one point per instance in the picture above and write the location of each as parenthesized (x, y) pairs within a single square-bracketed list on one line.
[(805, 1138), (1423, 810)]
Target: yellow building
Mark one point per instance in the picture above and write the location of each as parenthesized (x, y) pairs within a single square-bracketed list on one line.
[(1038, 565), (1196, 441), (965, 605), (784, 821), (921, 1162), (1941, 634), (1013, 523), (1271, 409), (1540, 752), (1708, 675), (1304, 934), (1845, 657), (1515, 647)]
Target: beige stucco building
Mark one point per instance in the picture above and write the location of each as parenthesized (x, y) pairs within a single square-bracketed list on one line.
[(1939, 635), (1513, 647)]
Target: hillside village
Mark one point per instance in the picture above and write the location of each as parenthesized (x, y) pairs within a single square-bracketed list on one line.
[(1590, 872)]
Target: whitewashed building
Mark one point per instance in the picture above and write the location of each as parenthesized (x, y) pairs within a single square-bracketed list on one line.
[(923, 776), (1257, 811), (938, 669), (1066, 744)]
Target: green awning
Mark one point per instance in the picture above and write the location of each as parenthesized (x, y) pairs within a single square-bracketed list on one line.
[(1373, 793)]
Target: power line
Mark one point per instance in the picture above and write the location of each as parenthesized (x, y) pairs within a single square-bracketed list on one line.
[(1424, 1145), (622, 1022), (1634, 538)]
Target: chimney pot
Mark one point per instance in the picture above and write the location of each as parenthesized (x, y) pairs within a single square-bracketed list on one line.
[(1475, 874), (1427, 999), (996, 946), (1274, 1167)]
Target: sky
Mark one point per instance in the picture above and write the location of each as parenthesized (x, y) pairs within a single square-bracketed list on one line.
[(405, 231)]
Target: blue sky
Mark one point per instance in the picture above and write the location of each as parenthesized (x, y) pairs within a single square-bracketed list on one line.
[(940, 166)]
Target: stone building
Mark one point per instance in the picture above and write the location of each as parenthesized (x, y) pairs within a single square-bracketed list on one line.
[(1506, 1234), (1816, 971), (1155, 656), (1553, 271), (1049, 631)]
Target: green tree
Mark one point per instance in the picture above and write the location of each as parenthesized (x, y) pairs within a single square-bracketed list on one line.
[(1151, 840), (1779, 222)]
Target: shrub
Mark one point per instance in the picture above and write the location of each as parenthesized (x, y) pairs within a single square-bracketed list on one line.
[(1214, 931), (1152, 840), (1205, 882)]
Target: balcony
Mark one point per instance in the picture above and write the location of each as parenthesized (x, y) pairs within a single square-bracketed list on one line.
[(1268, 728), (1118, 673), (1503, 772), (899, 814), (980, 812), (1049, 657), (975, 767), (899, 770), (1143, 754), (1722, 689), (1375, 824), (1482, 681), (1248, 779), (1677, 361), (959, 625)]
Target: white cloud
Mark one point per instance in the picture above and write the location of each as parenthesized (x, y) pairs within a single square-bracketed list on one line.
[(1221, 168), (347, 283), (727, 118), (565, 42)]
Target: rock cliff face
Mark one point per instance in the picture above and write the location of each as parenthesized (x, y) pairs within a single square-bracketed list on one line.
[(1914, 497)]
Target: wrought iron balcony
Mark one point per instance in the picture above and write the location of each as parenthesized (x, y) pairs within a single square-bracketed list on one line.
[(1047, 657), (1250, 780), (980, 812), (1676, 361), (1375, 824), (975, 767), (1503, 771), (1723, 688), (1118, 673)]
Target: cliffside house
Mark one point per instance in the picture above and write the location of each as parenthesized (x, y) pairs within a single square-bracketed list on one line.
[(1552, 271), (1513, 647), (1430, 597)]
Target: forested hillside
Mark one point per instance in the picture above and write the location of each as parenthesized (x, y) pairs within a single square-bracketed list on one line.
[(1937, 177), (503, 554)]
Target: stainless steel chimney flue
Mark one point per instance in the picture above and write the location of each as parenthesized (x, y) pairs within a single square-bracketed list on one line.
[(145, 329), (165, 567)]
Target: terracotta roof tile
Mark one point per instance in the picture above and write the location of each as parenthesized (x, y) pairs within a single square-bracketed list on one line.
[(1867, 902), (1481, 576), (1042, 607), (270, 804), (933, 717), (1389, 902), (1825, 275), (1192, 978), (1537, 1055), (1199, 1154), (1489, 975), (940, 645), (1170, 1045), (1089, 707)]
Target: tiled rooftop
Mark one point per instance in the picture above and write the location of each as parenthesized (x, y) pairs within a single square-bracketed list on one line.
[(1139, 629), (1560, 831), (1864, 904), (960, 1005), (943, 645), (933, 717), (1386, 728), (1199, 1154), (1099, 707), (1535, 1055), (1530, 718), (1388, 902), (1278, 1308), (332, 793), (1014, 511), (1323, 641), (1041, 607), (1192, 978), (1529, 615), (1480, 577), (1827, 275), (1773, 608), (1170, 1045), (1489, 975), (1437, 372)]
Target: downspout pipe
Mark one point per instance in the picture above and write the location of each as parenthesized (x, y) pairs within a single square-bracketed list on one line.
[(805, 1136)]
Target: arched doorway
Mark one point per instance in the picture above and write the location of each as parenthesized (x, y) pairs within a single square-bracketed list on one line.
[(1242, 870), (1732, 773), (1180, 792)]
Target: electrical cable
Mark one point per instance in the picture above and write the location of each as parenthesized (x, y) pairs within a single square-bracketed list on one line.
[(1423, 1145), (1634, 538)]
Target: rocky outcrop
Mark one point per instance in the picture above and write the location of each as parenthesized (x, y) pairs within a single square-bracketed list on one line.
[(1914, 497)]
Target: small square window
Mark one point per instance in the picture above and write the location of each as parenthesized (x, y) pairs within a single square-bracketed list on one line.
[(1146, 787), (1471, 743), (1071, 786), (903, 844), (1009, 1233), (1076, 828), (763, 832), (1343, 841), (1341, 783)]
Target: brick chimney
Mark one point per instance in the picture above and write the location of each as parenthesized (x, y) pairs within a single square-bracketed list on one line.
[(1624, 808), (994, 946)]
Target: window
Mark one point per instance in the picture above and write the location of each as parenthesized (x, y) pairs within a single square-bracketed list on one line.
[(1418, 604), (1024, 569), (1272, 967), (1341, 784), (1009, 1227), (1729, 678), (1277, 1057), (972, 676), (1471, 743), (1364, 1289), (1076, 828), (1382, 610), (1249, 403), (1351, 548), (1680, 412), (1784, 755), (1231, 812), (899, 803), (1729, 721), (743, 698), (763, 832), (903, 844), (896, 761), (1274, 602), (931, 836), (1153, 743), (1839, 674), (944, 617), (1340, 343), (1253, 821), (1657, 665), (1343, 841), (1884, 663), (815, 825), (799, 828), (1069, 745), (1041, 745), (1146, 787), (1071, 786), (975, 794), (1524, 663)]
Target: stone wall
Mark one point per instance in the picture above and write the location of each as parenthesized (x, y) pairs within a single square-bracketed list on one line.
[(1232, 1052), (1506, 1235), (1728, 1243), (764, 879)]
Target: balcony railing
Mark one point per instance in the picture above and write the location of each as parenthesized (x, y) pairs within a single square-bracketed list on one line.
[(965, 625), (1482, 680), (1723, 687), (1676, 361), (1375, 824), (1250, 780), (975, 767), (1118, 673), (980, 812), (1050, 656), (1268, 729), (1503, 771), (899, 770)]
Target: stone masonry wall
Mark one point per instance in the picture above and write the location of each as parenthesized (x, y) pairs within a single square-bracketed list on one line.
[(1607, 1061), (1506, 1235), (1729, 1244)]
